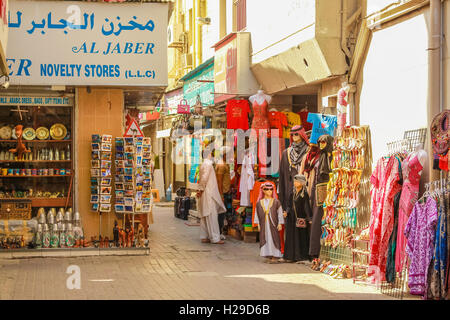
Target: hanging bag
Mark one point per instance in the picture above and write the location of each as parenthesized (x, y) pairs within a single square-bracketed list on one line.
[(321, 193), (183, 107), (299, 222)]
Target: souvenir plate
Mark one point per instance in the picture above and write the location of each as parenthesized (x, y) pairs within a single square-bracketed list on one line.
[(5, 132), (42, 133), (29, 134), (58, 131)]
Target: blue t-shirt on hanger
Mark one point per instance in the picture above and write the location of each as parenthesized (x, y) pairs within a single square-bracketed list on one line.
[(322, 124)]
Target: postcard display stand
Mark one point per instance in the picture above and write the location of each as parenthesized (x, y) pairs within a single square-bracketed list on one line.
[(101, 186), (133, 178)]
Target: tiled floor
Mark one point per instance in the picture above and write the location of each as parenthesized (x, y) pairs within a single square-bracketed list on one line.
[(178, 267)]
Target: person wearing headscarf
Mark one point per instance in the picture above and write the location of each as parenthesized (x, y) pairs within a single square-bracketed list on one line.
[(269, 218), (210, 202), (296, 247), (291, 159), (322, 170)]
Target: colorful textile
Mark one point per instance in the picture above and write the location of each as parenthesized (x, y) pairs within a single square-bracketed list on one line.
[(278, 120), (420, 232), (411, 169), (237, 114), (385, 180), (260, 116), (322, 124)]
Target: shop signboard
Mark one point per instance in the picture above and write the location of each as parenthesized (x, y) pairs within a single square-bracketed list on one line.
[(172, 100), (225, 68), (232, 74), (200, 83), (36, 101), (3, 33), (87, 43)]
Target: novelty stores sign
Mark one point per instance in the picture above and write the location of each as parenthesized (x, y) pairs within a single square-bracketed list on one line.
[(86, 43)]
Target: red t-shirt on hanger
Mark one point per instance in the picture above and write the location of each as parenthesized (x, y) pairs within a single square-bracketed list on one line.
[(237, 114), (278, 120)]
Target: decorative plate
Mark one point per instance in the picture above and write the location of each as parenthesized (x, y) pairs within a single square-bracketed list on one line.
[(5, 133), (29, 134), (439, 129), (58, 131), (42, 133)]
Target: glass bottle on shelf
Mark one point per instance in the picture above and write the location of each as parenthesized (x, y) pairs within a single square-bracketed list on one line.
[(54, 239), (56, 154), (50, 155), (62, 155), (68, 153), (46, 237)]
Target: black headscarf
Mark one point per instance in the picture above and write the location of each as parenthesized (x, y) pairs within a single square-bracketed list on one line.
[(326, 154)]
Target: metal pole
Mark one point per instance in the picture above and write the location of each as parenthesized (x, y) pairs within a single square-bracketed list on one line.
[(434, 75)]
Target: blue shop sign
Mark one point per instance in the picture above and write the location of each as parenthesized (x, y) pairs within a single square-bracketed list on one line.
[(192, 88)]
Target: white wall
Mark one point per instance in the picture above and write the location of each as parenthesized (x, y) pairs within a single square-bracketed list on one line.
[(376, 5), (269, 21), (211, 32), (394, 93)]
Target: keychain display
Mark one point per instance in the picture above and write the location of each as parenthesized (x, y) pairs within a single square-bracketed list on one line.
[(341, 204)]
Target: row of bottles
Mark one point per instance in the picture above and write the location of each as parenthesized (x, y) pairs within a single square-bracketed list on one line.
[(48, 154)]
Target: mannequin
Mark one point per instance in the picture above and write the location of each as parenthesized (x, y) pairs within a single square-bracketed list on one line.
[(269, 218), (342, 105), (247, 178), (322, 170), (412, 168), (260, 102), (308, 164), (296, 246), (261, 124), (290, 163)]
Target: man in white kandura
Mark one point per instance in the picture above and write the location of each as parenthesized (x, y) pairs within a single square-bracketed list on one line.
[(210, 203)]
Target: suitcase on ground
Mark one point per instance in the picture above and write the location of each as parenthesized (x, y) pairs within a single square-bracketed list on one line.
[(184, 208), (176, 207)]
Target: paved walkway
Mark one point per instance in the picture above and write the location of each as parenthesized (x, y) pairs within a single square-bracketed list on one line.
[(178, 267)]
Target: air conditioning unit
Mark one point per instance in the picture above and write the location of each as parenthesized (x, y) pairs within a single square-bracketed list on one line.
[(187, 60), (173, 37)]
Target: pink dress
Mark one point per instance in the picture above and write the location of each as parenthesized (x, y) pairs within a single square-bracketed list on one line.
[(410, 193), (385, 181)]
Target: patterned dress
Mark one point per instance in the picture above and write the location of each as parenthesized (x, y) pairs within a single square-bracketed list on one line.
[(410, 193), (385, 180), (420, 232)]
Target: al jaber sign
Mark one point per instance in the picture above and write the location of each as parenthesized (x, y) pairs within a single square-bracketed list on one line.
[(85, 43)]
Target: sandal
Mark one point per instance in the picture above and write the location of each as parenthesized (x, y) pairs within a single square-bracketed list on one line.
[(219, 242), (206, 241)]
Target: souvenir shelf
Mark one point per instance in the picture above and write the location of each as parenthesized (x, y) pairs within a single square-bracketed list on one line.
[(47, 132), (101, 173), (133, 175)]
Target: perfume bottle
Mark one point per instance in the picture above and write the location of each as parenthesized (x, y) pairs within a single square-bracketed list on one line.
[(46, 237), (62, 236), (54, 239), (70, 236)]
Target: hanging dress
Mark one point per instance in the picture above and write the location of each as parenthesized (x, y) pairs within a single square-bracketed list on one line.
[(411, 168), (420, 232)]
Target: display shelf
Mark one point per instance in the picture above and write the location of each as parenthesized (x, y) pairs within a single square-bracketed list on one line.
[(47, 176), (37, 141), (35, 161), (43, 202)]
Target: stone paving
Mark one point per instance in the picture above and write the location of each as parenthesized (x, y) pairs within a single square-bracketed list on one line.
[(179, 267)]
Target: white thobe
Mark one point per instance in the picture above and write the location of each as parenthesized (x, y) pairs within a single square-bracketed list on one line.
[(247, 179), (210, 203), (269, 249)]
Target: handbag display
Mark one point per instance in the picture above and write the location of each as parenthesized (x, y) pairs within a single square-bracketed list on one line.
[(321, 193), (183, 107)]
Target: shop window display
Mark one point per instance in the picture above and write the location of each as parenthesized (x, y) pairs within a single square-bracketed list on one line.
[(35, 161)]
